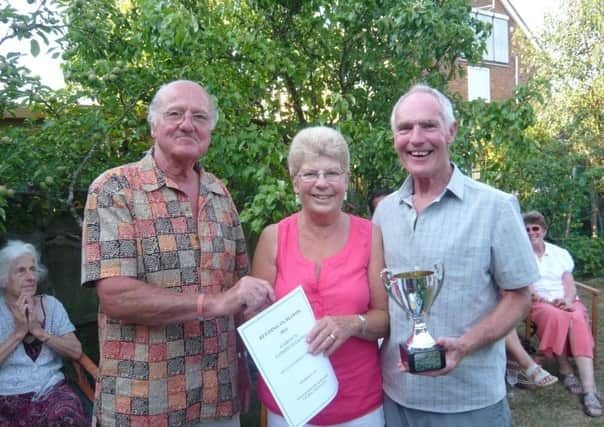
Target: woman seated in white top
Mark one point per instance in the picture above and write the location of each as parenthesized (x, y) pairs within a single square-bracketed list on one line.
[(35, 334), (561, 318)]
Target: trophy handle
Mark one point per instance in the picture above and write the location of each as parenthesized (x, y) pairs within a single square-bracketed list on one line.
[(389, 283), (439, 275)]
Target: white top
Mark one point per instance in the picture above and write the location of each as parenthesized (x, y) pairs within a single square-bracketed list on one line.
[(19, 374), (552, 265)]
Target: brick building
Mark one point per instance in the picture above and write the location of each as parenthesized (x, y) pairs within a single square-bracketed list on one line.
[(502, 67)]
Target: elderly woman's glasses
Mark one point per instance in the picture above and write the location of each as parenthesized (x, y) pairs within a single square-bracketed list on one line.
[(24, 271), (312, 175), (177, 117), (533, 228)]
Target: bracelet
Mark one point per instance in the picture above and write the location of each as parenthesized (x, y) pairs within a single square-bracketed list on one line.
[(48, 336), (200, 299), (363, 320)]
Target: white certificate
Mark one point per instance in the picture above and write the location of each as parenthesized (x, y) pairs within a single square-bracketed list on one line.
[(302, 384)]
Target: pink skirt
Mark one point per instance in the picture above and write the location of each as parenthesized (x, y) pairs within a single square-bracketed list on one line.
[(563, 331)]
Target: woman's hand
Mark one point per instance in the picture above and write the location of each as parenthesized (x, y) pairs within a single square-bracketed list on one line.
[(329, 333), (20, 312), (34, 324), (564, 304)]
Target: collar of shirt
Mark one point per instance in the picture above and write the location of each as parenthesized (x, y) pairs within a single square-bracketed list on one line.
[(455, 187), (206, 180)]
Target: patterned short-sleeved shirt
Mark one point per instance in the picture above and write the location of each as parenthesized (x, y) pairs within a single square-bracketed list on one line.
[(138, 224)]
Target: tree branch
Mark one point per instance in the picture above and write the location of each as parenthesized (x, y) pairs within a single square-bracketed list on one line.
[(88, 156)]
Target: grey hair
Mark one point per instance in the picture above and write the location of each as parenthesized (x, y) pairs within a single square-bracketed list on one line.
[(13, 250), (152, 113), (316, 141), (445, 104), (535, 217)]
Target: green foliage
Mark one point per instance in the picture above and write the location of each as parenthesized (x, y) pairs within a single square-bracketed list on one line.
[(17, 86), (3, 204), (492, 139), (570, 63), (587, 254), (273, 67)]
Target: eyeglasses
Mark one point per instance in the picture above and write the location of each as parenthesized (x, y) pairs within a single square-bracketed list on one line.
[(312, 176), (533, 228), (22, 271), (177, 117)]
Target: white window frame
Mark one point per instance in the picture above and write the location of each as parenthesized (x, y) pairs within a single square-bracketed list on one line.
[(479, 83), (498, 42)]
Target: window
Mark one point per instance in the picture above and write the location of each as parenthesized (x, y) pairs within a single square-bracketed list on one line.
[(498, 40), (479, 83)]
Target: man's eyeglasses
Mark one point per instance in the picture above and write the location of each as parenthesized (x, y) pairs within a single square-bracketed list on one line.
[(312, 176), (533, 228), (177, 117)]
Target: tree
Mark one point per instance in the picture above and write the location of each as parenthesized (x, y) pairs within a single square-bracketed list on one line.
[(570, 61), (273, 68), (17, 86)]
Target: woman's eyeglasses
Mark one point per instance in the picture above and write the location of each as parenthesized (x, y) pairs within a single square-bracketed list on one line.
[(328, 175), (533, 228)]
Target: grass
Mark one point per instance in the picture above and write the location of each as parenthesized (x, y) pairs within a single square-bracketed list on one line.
[(554, 406)]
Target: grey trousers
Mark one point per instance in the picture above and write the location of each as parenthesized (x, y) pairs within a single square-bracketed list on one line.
[(497, 415)]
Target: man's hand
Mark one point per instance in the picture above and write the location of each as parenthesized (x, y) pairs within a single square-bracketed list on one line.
[(253, 293), (454, 352)]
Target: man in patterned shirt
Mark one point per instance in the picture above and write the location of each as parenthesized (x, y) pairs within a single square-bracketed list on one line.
[(163, 244)]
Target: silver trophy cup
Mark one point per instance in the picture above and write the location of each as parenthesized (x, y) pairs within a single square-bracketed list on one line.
[(415, 292)]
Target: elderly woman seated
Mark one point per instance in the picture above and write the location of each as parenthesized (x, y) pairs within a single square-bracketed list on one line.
[(561, 318), (35, 333)]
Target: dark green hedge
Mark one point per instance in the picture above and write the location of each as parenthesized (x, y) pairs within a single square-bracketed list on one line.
[(588, 253)]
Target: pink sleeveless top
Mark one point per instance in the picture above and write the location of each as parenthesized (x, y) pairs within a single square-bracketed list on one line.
[(342, 289)]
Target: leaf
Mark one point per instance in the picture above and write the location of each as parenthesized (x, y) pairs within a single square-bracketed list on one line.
[(272, 72), (34, 47)]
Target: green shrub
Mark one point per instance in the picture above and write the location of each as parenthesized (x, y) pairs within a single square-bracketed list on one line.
[(588, 253)]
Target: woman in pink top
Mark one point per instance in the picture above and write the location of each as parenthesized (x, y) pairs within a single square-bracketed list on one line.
[(561, 318), (337, 259)]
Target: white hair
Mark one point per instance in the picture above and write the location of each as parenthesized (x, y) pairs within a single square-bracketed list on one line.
[(12, 251), (445, 104), (316, 141), (152, 112)]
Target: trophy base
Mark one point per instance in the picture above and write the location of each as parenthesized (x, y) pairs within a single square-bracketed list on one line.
[(423, 359)]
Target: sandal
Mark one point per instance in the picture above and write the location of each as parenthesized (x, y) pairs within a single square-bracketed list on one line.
[(592, 405), (536, 376), (572, 383)]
